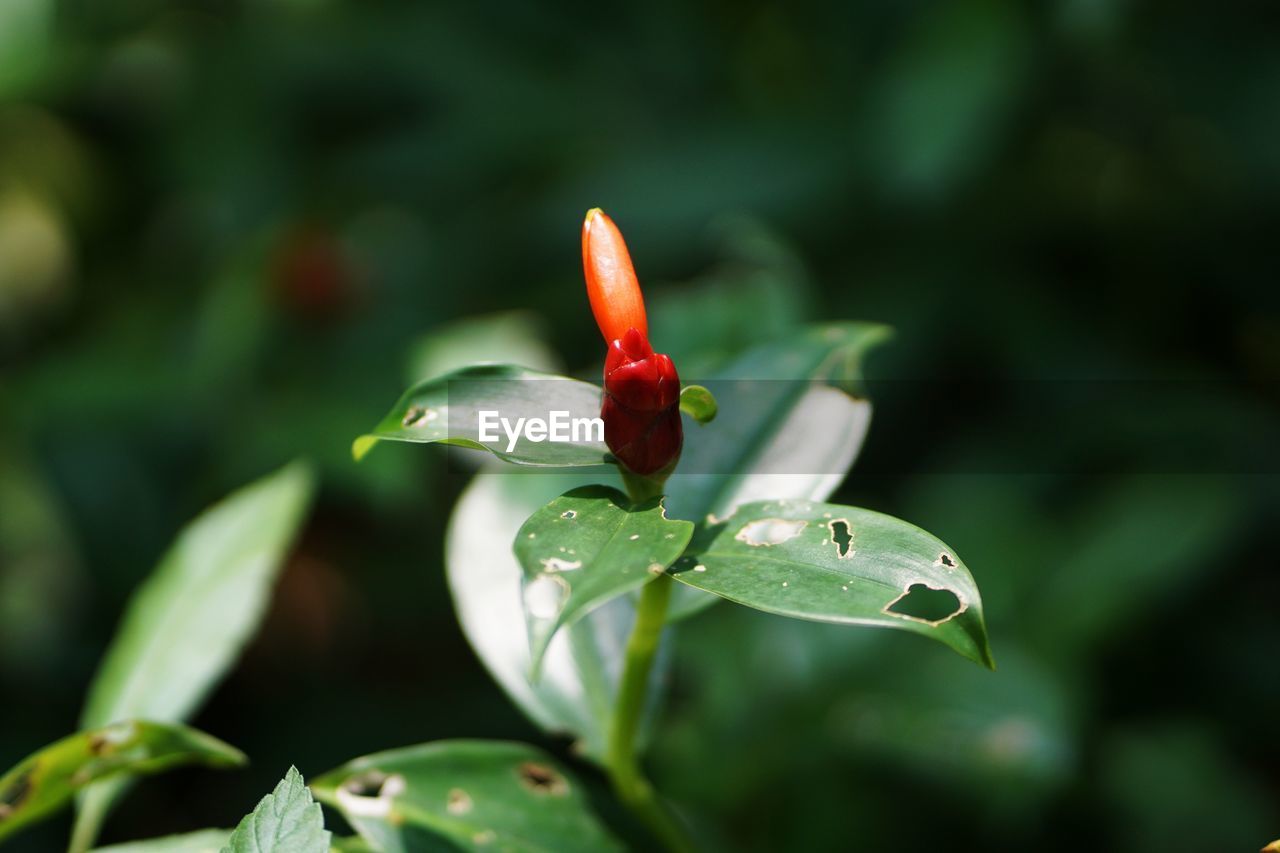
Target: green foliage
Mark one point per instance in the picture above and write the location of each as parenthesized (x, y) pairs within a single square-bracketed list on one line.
[(585, 548), (833, 563), (286, 819), (48, 780), (574, 695), (467, 795), (190, 619), (698, 403), (444, 410)]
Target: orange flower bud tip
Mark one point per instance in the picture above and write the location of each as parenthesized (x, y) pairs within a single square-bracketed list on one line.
[(612, 286)]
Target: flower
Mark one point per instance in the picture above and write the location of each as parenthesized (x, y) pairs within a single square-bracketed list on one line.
[(641, 405)]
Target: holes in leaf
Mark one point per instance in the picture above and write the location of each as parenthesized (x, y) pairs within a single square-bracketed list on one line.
[(541, 779), (418, 416), (841, 537), (923, 603), (770, 531), (944, 559)]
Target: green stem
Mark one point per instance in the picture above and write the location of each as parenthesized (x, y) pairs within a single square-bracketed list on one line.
[(642, 646)]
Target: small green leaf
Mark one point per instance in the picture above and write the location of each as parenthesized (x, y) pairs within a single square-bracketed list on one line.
[(833, 563), (469, 794), (47, 781), (200, 841), (698, 403), (191, 617), (445, 410), (586, 547), (286, 819)]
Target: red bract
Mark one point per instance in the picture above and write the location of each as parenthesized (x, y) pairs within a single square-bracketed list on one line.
[(641, 408)]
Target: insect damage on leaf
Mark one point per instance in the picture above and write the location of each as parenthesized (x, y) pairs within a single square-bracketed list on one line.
[(371, 794), (926, 604), (770, 531), (841, 537), (459, 802), (541, 779)]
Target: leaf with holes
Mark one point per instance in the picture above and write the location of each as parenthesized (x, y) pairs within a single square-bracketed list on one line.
[(189, 620), (464, 794), (833, 563), (285, 819), (446, 410), (586, 547), (583, 662), (48, 780), (789, 427)]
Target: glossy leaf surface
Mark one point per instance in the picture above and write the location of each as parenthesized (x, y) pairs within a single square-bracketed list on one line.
[(465, 795), (586, 547)]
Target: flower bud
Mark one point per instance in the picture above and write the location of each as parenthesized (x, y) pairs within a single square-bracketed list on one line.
[(611, 279), (641, 406)]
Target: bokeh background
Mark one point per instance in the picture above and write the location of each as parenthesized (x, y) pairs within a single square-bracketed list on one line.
[(230, 233)]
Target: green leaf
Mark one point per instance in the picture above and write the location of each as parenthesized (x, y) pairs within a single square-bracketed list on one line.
[(784, 430), (586, 547), (698, 403), (833, 563), (200, 841), (189, 620), (582, 664), (465, 795), (287, 819), (46, 781), (445, 410)]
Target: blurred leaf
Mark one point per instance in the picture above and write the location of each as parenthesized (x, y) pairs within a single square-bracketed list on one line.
[(1138, 543), (582, 664), (513, 337), (188, 621), (25, 27), (1176, 789), (286, 819), (782, 432), (200, 841), (950, 87), (47, 780), (833, 563), (446, 410), (472, 794), (583, 549)]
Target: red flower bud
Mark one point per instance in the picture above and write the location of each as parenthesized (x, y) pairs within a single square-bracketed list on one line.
[(641, 407)]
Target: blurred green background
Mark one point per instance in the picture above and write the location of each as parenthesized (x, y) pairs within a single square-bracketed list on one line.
[(226, 228)]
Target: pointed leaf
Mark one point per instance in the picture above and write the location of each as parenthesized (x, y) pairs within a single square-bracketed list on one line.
[(833, 563), (48, 780), (445, 410), (781, 433), (466, 795), (189, 620), (586, 547), (286, 819)]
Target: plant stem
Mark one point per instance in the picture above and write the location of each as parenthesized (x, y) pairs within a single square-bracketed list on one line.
[(623, 763), (642, 646)]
